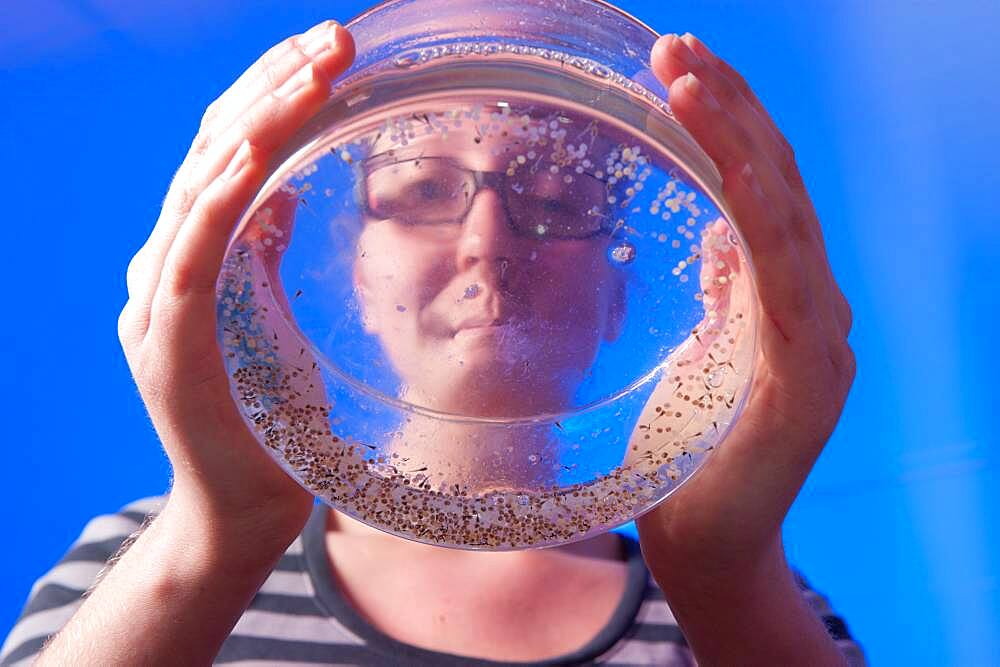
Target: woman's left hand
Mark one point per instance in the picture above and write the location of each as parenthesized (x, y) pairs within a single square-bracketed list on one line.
[(720, 533)]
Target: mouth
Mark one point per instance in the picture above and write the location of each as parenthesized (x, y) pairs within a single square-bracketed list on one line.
[(479, 325)]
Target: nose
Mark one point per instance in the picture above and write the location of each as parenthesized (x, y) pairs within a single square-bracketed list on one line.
[(487, 235)]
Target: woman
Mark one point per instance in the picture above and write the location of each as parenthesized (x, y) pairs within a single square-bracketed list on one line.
[(714, 550)]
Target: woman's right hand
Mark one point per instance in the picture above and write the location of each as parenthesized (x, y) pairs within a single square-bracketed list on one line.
[(223, 481)]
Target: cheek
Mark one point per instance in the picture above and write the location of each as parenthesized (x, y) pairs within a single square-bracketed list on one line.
[(571, 278), (399, 274)]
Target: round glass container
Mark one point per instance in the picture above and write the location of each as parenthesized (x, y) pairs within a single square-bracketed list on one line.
[(489, 296)]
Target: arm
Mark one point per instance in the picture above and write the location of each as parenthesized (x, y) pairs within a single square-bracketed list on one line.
[(171, 598), (715, 548), (759, 617), (175, 595), (60, 591)]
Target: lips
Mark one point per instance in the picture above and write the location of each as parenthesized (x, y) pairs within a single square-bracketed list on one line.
[(482, 321), (471, 302), (482, 309)]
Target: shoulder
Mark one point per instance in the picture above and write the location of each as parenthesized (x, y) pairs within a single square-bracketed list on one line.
[(57, 594)]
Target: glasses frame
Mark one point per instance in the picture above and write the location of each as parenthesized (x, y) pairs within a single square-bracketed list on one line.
[(496, 180)]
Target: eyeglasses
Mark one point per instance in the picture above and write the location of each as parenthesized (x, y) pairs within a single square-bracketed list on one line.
[(539, 202)]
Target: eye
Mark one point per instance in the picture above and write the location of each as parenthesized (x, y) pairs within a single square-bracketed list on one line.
[(430, 189), (550, 205)]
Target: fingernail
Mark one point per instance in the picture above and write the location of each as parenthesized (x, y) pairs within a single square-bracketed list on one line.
[(238, 161), (684, 52), (699, 90), (694, 43), (317, 29), (303, 77), (319, 39), (751, 181)]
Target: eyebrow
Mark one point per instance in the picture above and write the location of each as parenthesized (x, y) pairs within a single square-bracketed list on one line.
[(393, 156)]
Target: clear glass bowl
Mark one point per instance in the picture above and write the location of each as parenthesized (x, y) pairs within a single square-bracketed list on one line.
[(490, 297)]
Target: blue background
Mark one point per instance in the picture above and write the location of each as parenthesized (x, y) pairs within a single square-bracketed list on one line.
[(892, 107)]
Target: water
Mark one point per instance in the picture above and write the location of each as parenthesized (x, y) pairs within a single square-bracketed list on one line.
[(493, 279)]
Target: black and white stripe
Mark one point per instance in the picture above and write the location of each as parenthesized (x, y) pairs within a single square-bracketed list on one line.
[(298, 617)]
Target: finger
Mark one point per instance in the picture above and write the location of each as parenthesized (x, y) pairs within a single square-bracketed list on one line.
[(745, 138), (736, 97), (183, 310), (133, 319), (266, 125), (186, 271), (328, 46), (730, 146), (187, 294), (783, 288), (199, 169), (845, 316), (731, 140), (672, 58), (195, 258), (786, 155)]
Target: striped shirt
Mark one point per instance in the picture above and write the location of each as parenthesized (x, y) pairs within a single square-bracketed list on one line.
[(299, 616)]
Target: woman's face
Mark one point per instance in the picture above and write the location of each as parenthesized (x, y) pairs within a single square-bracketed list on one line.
[(490, 297)]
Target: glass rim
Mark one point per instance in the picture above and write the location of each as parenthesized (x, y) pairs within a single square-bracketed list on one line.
[(600, 3)]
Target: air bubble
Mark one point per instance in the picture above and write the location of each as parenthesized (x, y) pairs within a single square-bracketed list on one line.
[(622, 253), (600, 70), (407, 59)]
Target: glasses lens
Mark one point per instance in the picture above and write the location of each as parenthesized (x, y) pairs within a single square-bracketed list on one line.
[(557, 205), (418, 191), (431, 191)]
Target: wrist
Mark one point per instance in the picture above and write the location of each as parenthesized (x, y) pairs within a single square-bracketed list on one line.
[(737, 576), (209, 540), (763, 590), (749, 614)]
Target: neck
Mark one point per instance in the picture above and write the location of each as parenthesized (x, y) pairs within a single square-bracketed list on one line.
[(342, 531), (479, 456)]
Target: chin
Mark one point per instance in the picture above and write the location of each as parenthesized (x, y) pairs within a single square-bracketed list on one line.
[(493, 389)]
